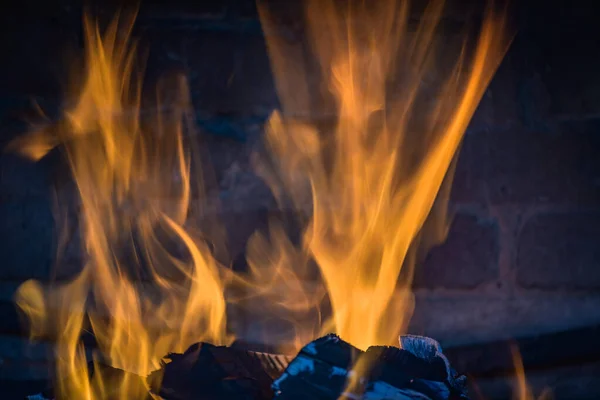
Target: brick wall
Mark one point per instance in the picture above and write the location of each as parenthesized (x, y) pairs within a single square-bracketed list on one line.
[(522, 255)]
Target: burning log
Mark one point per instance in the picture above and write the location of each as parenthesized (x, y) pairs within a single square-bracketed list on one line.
[(321, 370), (210, 372)]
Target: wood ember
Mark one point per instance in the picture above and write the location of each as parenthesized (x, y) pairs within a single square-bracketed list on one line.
[(207, 372), (417, 371), (320, 371)]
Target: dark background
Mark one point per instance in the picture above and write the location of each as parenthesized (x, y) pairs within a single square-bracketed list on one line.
[(523, 254)]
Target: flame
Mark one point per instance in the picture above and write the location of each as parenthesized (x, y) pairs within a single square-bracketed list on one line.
[(373, 179), (522, 390), (133, 182), (377, 184)]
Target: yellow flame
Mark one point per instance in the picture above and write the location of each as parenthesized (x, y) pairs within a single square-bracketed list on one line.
[(401, 110), (374, 177), (522, 390), (133, 182)]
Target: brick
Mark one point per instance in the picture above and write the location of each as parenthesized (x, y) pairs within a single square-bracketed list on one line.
[(14, 347), (180, 8), (21, 177), (20, 366), (37, 47), (29, 234), (496, 113), (246, 8), (454, 10), (242, 81), (574, 381), (498, 108), (229, 174), (541, 168), (468, 257), (13, 322), (26, 235), (223, 152), (468, 183), (476, 316), (559, 70), (229, 72), (241, 225), (20, 389), (559, 251), (19, 370)]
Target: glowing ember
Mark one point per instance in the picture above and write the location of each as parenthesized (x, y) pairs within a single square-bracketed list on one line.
[(373, 182)]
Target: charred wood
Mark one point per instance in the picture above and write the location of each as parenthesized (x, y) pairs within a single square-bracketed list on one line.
[(207, 372), (323, 369)]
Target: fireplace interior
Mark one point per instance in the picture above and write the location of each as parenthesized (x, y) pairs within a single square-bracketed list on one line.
[(519, 267)]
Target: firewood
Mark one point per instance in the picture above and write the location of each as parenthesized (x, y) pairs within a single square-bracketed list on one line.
[(207, 372), (321, 371)]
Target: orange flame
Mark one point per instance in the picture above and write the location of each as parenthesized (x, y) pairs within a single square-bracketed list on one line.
[(374, 179), (134, 187), (372, 183), (522, 390)]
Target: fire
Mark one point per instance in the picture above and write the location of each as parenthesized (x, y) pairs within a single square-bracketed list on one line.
[(522, 390), (134, 189), (372, 183), (374, 179)]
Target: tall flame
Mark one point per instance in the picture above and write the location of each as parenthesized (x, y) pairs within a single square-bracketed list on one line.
[(373, 180), (134, 187)]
